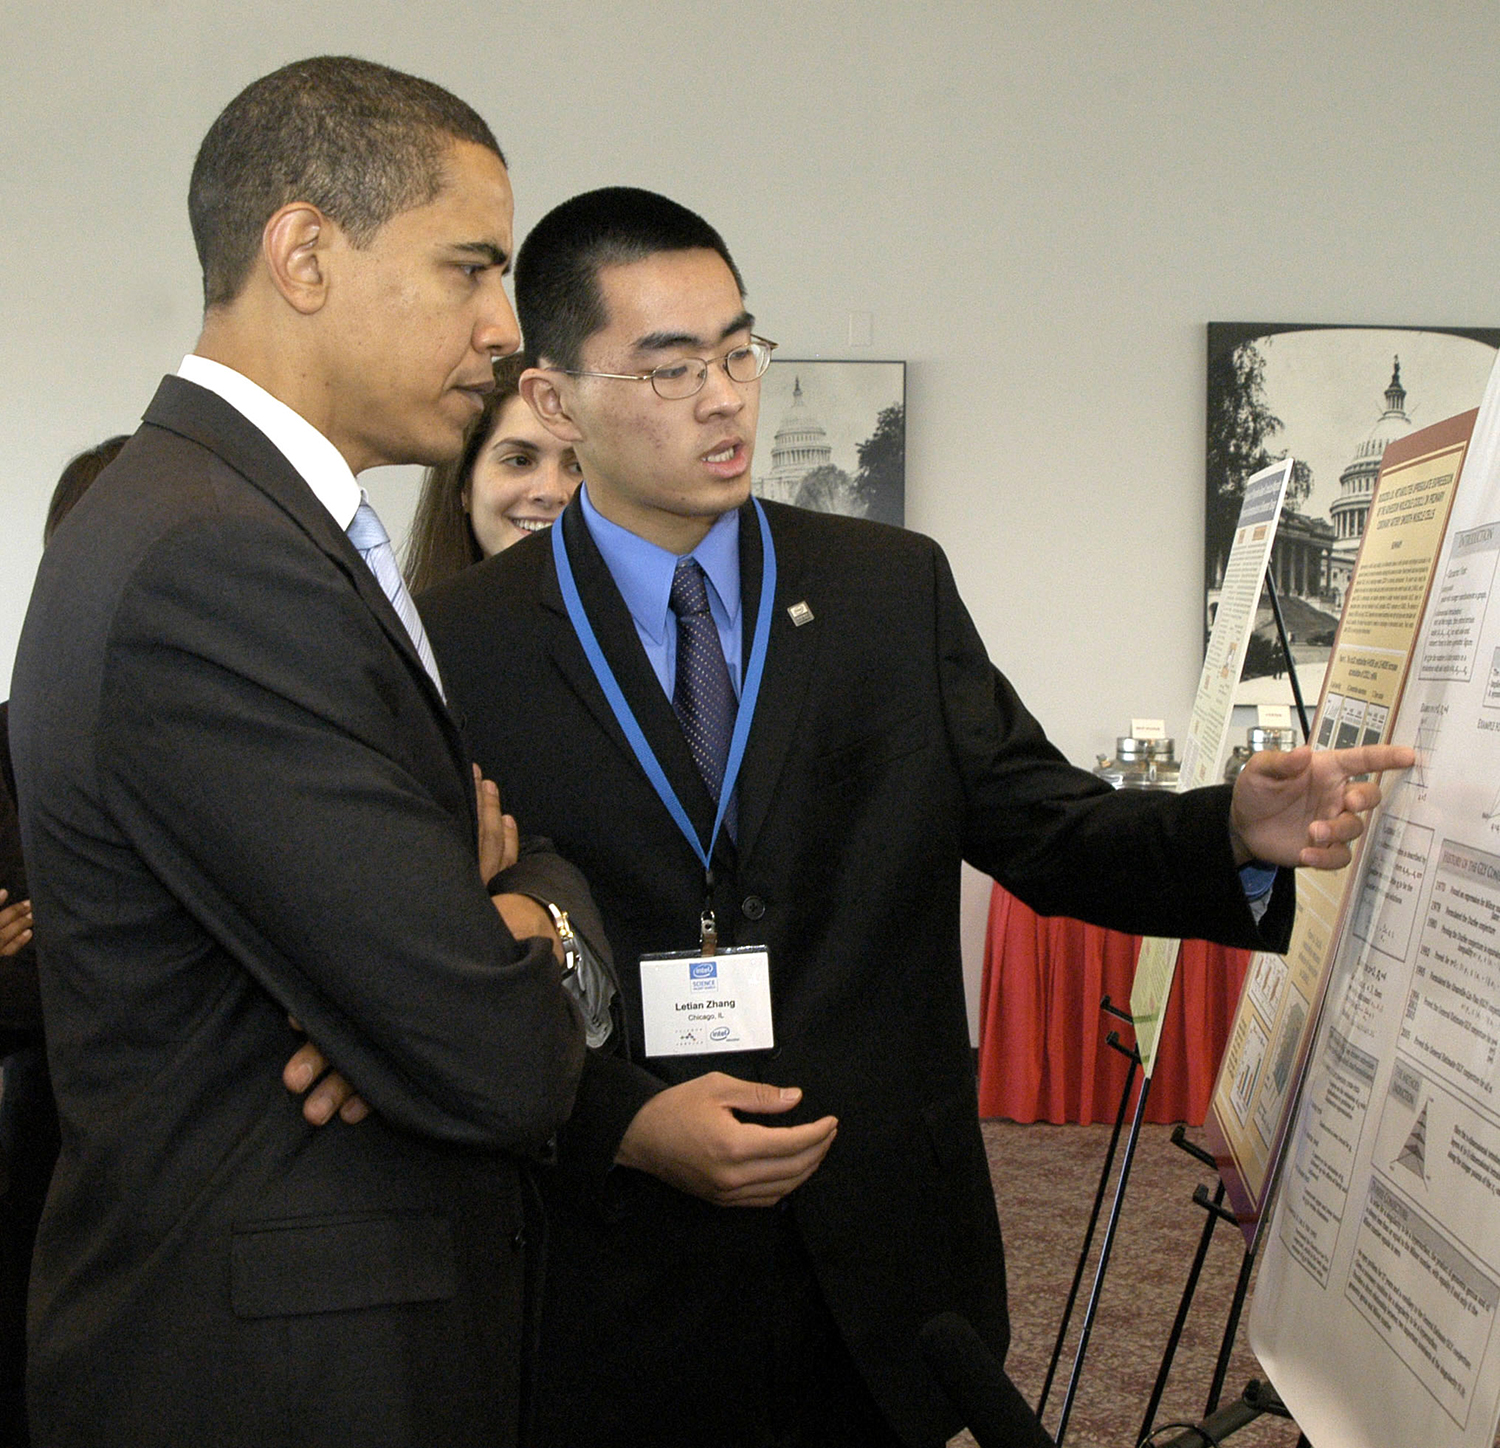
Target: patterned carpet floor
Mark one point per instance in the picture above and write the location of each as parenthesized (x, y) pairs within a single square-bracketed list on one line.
[(1045, 1179)]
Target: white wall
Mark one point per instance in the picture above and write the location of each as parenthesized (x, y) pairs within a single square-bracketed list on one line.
[(1042, 202)]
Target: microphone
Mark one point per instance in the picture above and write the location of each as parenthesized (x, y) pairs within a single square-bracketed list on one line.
[(969, 1373)]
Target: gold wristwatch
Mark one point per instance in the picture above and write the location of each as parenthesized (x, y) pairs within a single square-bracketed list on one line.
[(564, 928)]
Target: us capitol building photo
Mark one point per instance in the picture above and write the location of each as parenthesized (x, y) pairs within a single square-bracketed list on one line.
[(1312, 559), (801, 446)]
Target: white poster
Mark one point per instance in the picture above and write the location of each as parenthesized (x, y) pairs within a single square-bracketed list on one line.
[(1208, 730), (1379, 1286)]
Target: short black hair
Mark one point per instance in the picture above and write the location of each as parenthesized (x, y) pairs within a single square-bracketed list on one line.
[(558, 299), (359, 141)]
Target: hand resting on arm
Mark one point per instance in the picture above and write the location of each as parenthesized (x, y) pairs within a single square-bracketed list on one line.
[(499, 849)]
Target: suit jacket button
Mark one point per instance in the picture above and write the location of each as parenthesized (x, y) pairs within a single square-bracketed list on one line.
[(752, 907), (518, 1240)]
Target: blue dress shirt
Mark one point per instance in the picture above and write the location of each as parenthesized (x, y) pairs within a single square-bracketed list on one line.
[(643, 574)]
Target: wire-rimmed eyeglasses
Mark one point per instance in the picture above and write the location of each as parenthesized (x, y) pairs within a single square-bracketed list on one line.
[(686, 376)]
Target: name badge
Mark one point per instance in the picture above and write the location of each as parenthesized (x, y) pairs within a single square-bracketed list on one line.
[(698, 1004)]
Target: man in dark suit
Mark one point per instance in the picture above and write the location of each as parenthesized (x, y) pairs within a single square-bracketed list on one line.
[(243, 799), (880, 748)]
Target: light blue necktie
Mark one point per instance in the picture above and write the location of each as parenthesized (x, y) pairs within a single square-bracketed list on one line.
[(368, 535)]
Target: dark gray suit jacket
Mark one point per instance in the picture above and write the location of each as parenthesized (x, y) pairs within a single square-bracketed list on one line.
[(242, 798), (886, 749)]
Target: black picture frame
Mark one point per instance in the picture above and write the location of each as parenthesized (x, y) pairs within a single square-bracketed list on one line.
[(832, 436), (1331, 396)]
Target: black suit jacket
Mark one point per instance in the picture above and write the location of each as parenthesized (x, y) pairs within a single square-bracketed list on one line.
[(885, 750), (241, 798)]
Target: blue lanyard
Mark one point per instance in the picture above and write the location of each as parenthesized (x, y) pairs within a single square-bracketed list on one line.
[(625, 715)]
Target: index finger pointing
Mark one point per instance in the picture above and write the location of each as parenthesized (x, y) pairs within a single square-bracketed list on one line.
[(1377, 758)]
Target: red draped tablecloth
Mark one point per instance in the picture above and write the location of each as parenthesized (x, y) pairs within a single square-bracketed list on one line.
[(1042, 1053)]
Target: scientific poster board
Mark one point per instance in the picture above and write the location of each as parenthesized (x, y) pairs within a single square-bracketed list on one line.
[(1207, 744), (1253, 1100), (1375, 1313)]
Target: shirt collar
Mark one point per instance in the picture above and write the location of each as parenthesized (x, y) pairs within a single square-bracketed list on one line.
[(643, 572), (320, 464)]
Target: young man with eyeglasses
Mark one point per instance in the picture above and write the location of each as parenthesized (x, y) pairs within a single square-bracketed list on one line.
[(771, 809)]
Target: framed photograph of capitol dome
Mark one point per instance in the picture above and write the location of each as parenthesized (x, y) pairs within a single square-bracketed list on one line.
[(832, 436), (1332, 398)]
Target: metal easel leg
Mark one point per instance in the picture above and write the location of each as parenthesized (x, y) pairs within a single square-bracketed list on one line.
[(1113, 1040), (1210, 1221), (1231, 1329), (1286, 650), (1109, 1237)]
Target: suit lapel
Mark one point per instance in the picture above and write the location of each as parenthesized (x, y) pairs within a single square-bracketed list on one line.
[(207, 419), (789, 668), (789, 662), (621, 644)]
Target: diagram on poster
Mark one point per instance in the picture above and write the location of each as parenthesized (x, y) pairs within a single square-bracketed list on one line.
[(1376, 1308)]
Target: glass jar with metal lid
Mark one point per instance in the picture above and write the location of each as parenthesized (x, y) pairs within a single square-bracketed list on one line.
[(1257, 739), (1140, 764)]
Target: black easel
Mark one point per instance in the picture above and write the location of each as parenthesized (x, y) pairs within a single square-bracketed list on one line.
[(1216, 1212), (1257, 1400), (1291, 663), (1091, 1311)]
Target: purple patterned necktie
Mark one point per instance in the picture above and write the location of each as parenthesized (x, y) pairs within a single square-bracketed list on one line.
[(703, 696)]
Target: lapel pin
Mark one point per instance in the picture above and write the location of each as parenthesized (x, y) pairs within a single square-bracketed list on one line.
[(800, 614)]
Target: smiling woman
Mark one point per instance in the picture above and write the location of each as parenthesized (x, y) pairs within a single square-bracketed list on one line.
[(512, 478)]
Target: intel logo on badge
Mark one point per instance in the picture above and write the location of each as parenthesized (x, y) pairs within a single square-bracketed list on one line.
[(703, 969), (719, 1033)]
